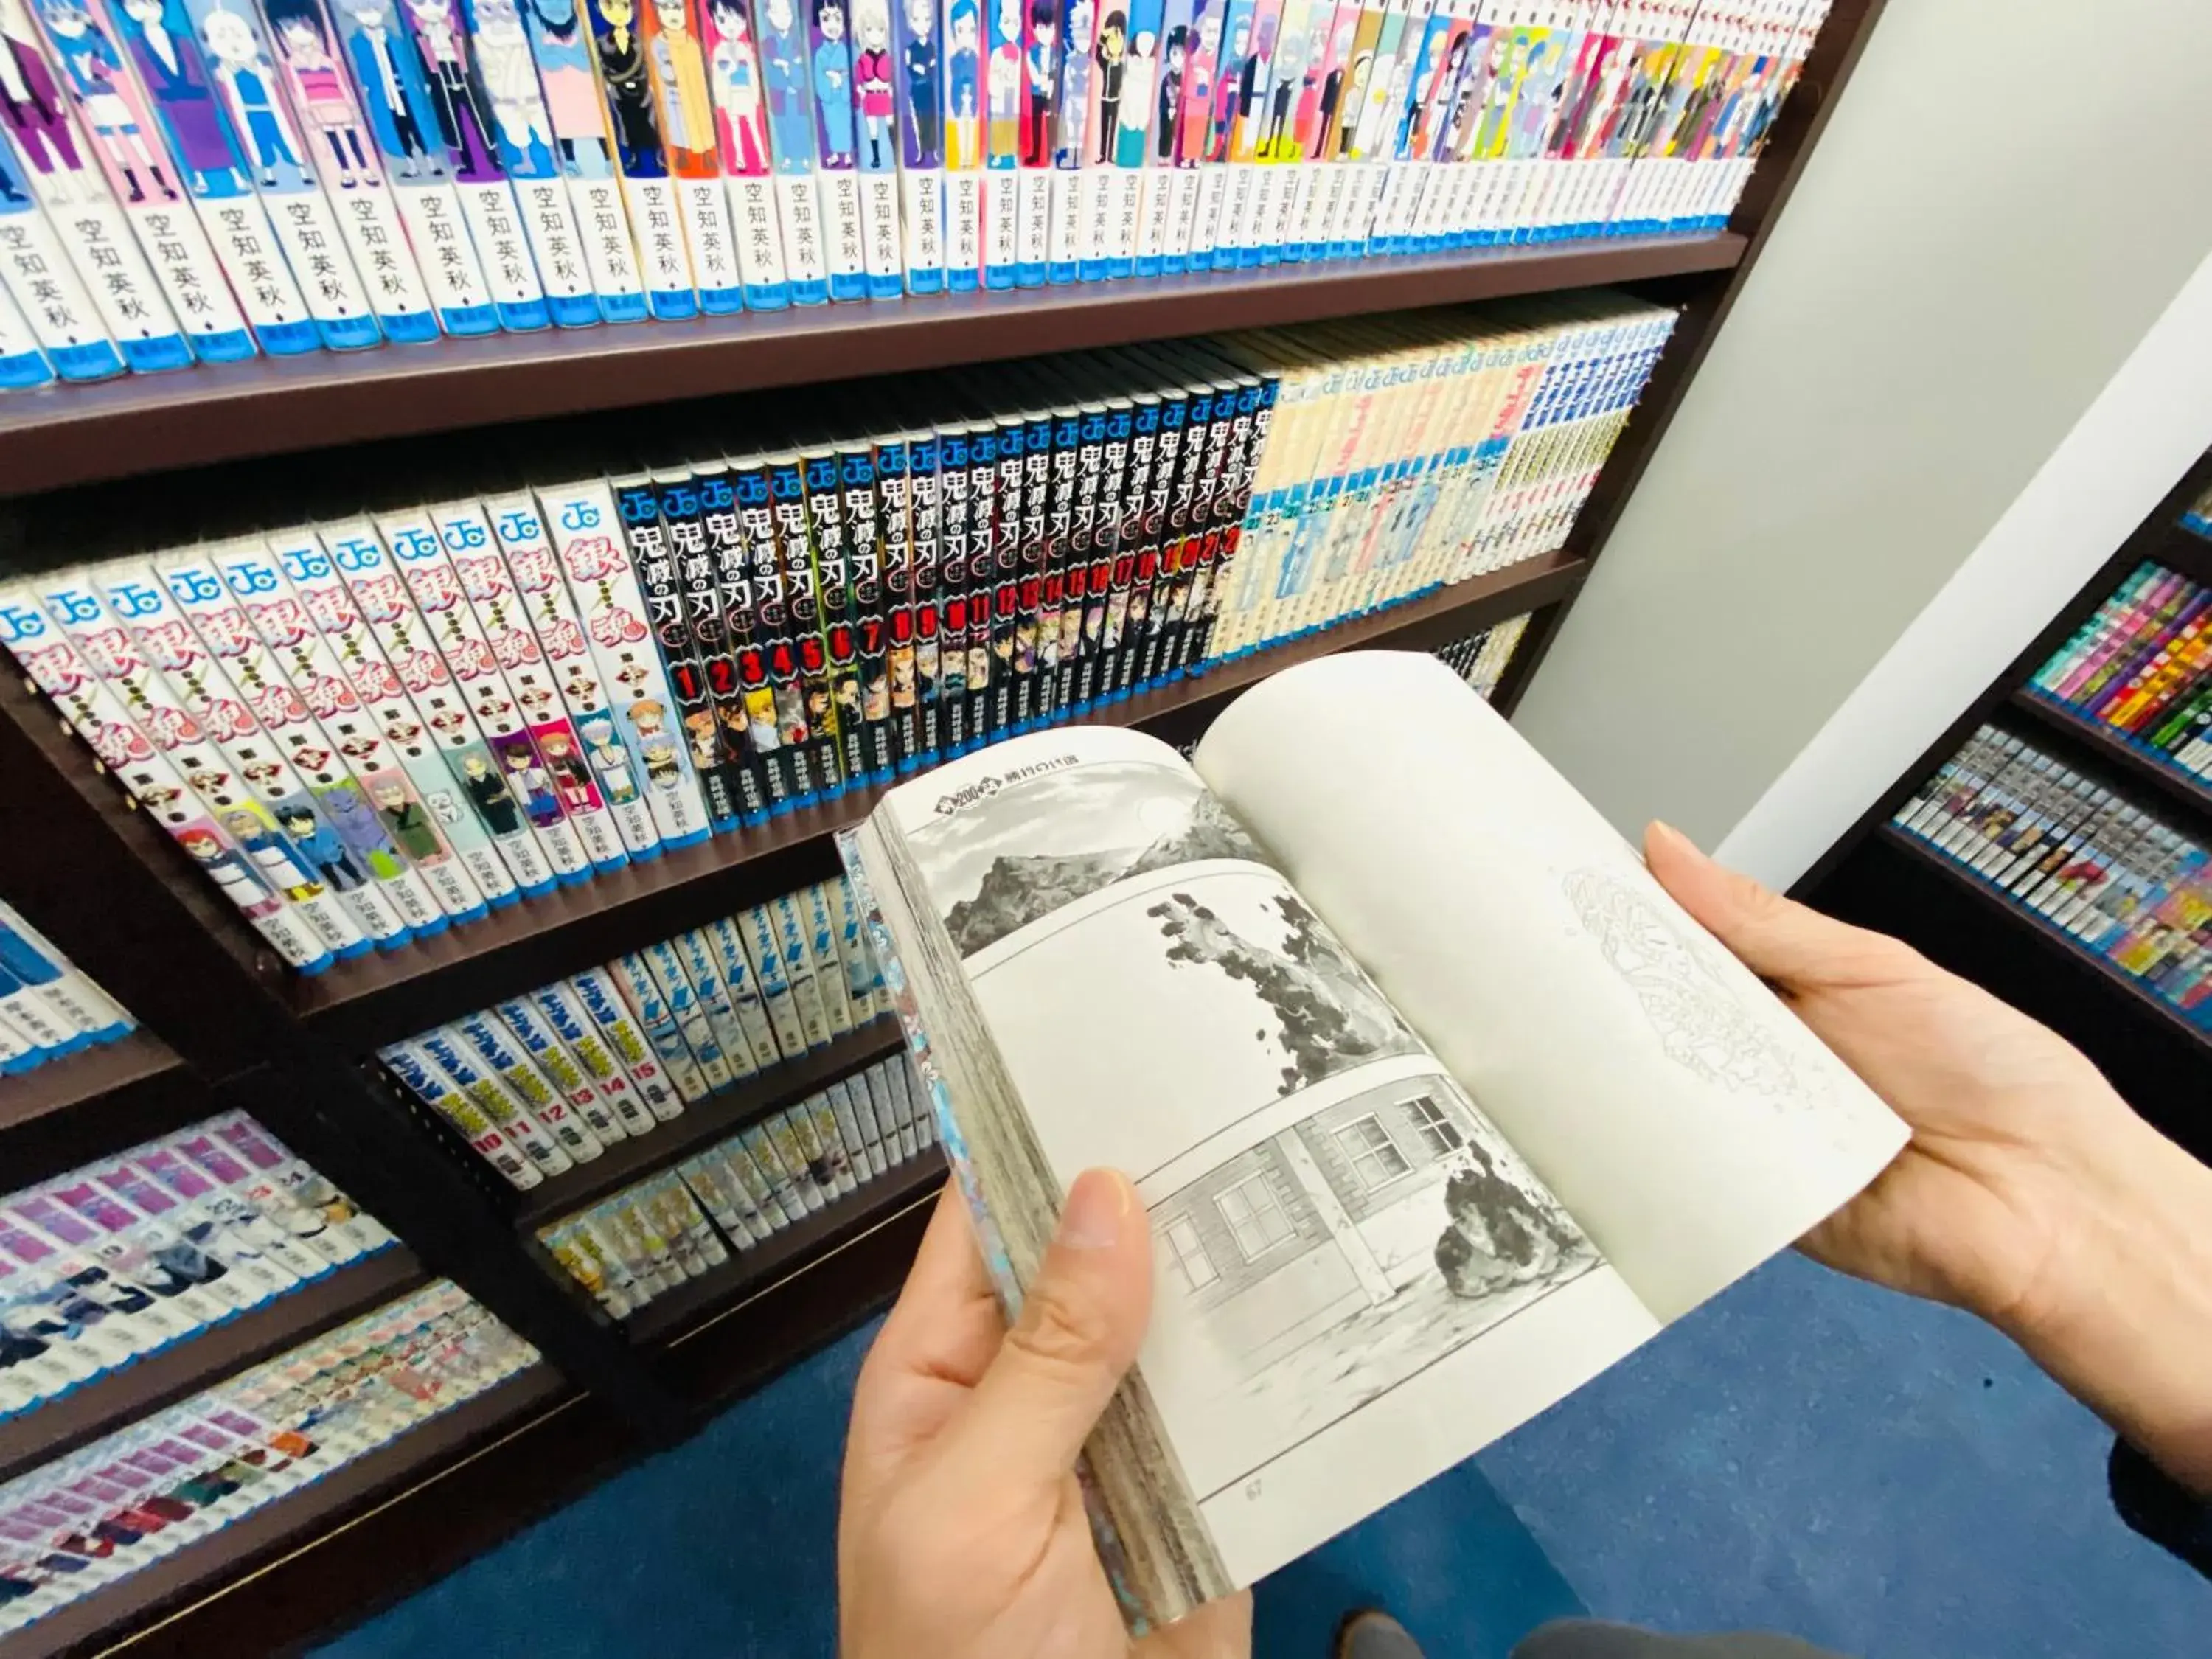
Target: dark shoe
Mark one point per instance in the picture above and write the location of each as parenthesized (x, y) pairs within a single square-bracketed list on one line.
[(1368, 1634)]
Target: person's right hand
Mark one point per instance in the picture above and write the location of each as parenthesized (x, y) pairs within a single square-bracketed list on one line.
[(2031, 1194)]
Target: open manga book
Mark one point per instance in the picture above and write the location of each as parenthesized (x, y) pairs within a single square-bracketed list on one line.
[(1438, 1104)]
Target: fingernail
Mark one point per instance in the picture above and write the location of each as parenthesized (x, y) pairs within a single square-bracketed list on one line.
[(1097, 1206), (1666, 832)]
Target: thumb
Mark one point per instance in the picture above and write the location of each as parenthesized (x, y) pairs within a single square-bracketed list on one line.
[(1082, 1319), (1777, 938)]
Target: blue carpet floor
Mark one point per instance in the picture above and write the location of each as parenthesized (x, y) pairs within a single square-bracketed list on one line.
[(1804, 1454)]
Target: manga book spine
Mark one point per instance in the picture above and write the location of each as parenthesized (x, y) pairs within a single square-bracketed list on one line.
[(1051, 489), (819, 923), (703, 970), (352, 849), (664, 267), (724, 939), (254, 572), (553, 766), (1071, 112), (629, 1094), (33, 958), (711, 241), (662, 962), (199, 729), (953, 576), (762, 949), (770, 666), (586, 526), (750, 181), (379, 598), (47, 1032), (1208, 546), (919, 84), (720, 745), (653, 556), (895, 520), (501, 236), (141, 178), (438, 231), (744, 707), (809, 714), (603, 233), (649, 1003), (848, 233), (557, 239), (871, 613), (1014, 597), (985, 714), (665, 1081), (500, 1104), (961, 32), (549, 1059), (753, 611), (925, 520), (417, 1072), (832, 588), (1036, 122), (787, 120), (1043, 596), (790, 945), (593, 769), (379, 728), (862, 982), (1121, 488), (1156, 450), (1079, 451), (516, 782), (48, 328)]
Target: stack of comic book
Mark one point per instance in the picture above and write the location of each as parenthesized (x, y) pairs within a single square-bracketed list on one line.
[(2117, 880), (544, 1082), (2142, 669), (1480, 659), (152, 1245), (652, 1236), (187, 180), (48, 1009), (384, 725), (85, 1521), (2198, 518)]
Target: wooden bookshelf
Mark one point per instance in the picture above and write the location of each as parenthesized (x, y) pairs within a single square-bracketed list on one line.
[(119, 1398), (78, 435), (393, 994), (705, 1123)]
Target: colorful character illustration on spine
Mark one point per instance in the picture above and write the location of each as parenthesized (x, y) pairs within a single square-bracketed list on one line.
[(609, 760), (963, 66), (921, 140), (394, 94), (1293, 54), (1079, 42), (494, 802), (734, 77), (627, 84), (1201, 65), (507, 63), (157, 34), (115, 114), (679, 75), (358, 825), (1125, 145), (572, 777), (463, 118), (872, 83), (248, 83), (830, 51), (321, 91), (1166, 116), (1431, 98), (1002, 77), (31, 106), (790, 100), (527, 777), (1111, 57), (1041, 82), (561, 45), (275, 860), (408, 822), (1230, 67), (1253, 75)]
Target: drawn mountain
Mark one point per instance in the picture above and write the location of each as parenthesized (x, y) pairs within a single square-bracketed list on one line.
[(1210, 834), (1016, 890)]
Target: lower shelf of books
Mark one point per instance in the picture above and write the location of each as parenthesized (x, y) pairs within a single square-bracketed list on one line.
[(2172, 1018)]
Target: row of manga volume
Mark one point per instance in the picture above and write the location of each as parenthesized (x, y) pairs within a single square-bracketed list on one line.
[(2198, 518), (650, 1238), (545, 1081), (48, 1007), (385, 724), (150, 1246), (2121, 882), (202, 179), (2142, 669), (79, 1524), (1481, 658)]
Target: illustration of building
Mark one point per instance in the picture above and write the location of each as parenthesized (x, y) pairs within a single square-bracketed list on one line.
[(1339, 1213)]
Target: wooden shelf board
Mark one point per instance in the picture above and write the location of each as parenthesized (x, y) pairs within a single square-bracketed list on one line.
[(2177, 786), (383, 998), (704, 1122), (119, 1398), (433, 1449), (684, 1312), (2110, 972), (266, 406)]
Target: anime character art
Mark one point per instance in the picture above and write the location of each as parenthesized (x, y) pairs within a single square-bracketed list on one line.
[(361, 828), (1111, 55), (679, 75), (609, 760), (323, 848), (733, 78), (157, 36), (113, 110), (394, 97), (1193, 124), (408, 822), (248, 83), (1078, 58), (872, 85), (1003, 80), (627, 83), (495, 802), (1041, 82), (558, 45), (1278, 137), (962, 66), (831, 52), (464, 121), (518, 759), (790, 101), (922, 141), (507, 64), (1167, 118), (274, 860), (31, 107), (305, 48)]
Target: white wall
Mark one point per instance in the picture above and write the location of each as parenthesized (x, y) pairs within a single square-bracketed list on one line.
[(2007, 199)]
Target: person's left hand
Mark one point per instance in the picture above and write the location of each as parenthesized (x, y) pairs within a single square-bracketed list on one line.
[(962, 1532)]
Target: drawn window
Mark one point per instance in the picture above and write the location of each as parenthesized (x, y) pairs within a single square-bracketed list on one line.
[(1187, 1251), (1254, 1216), (1374, 1155), (1438, 1131)]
